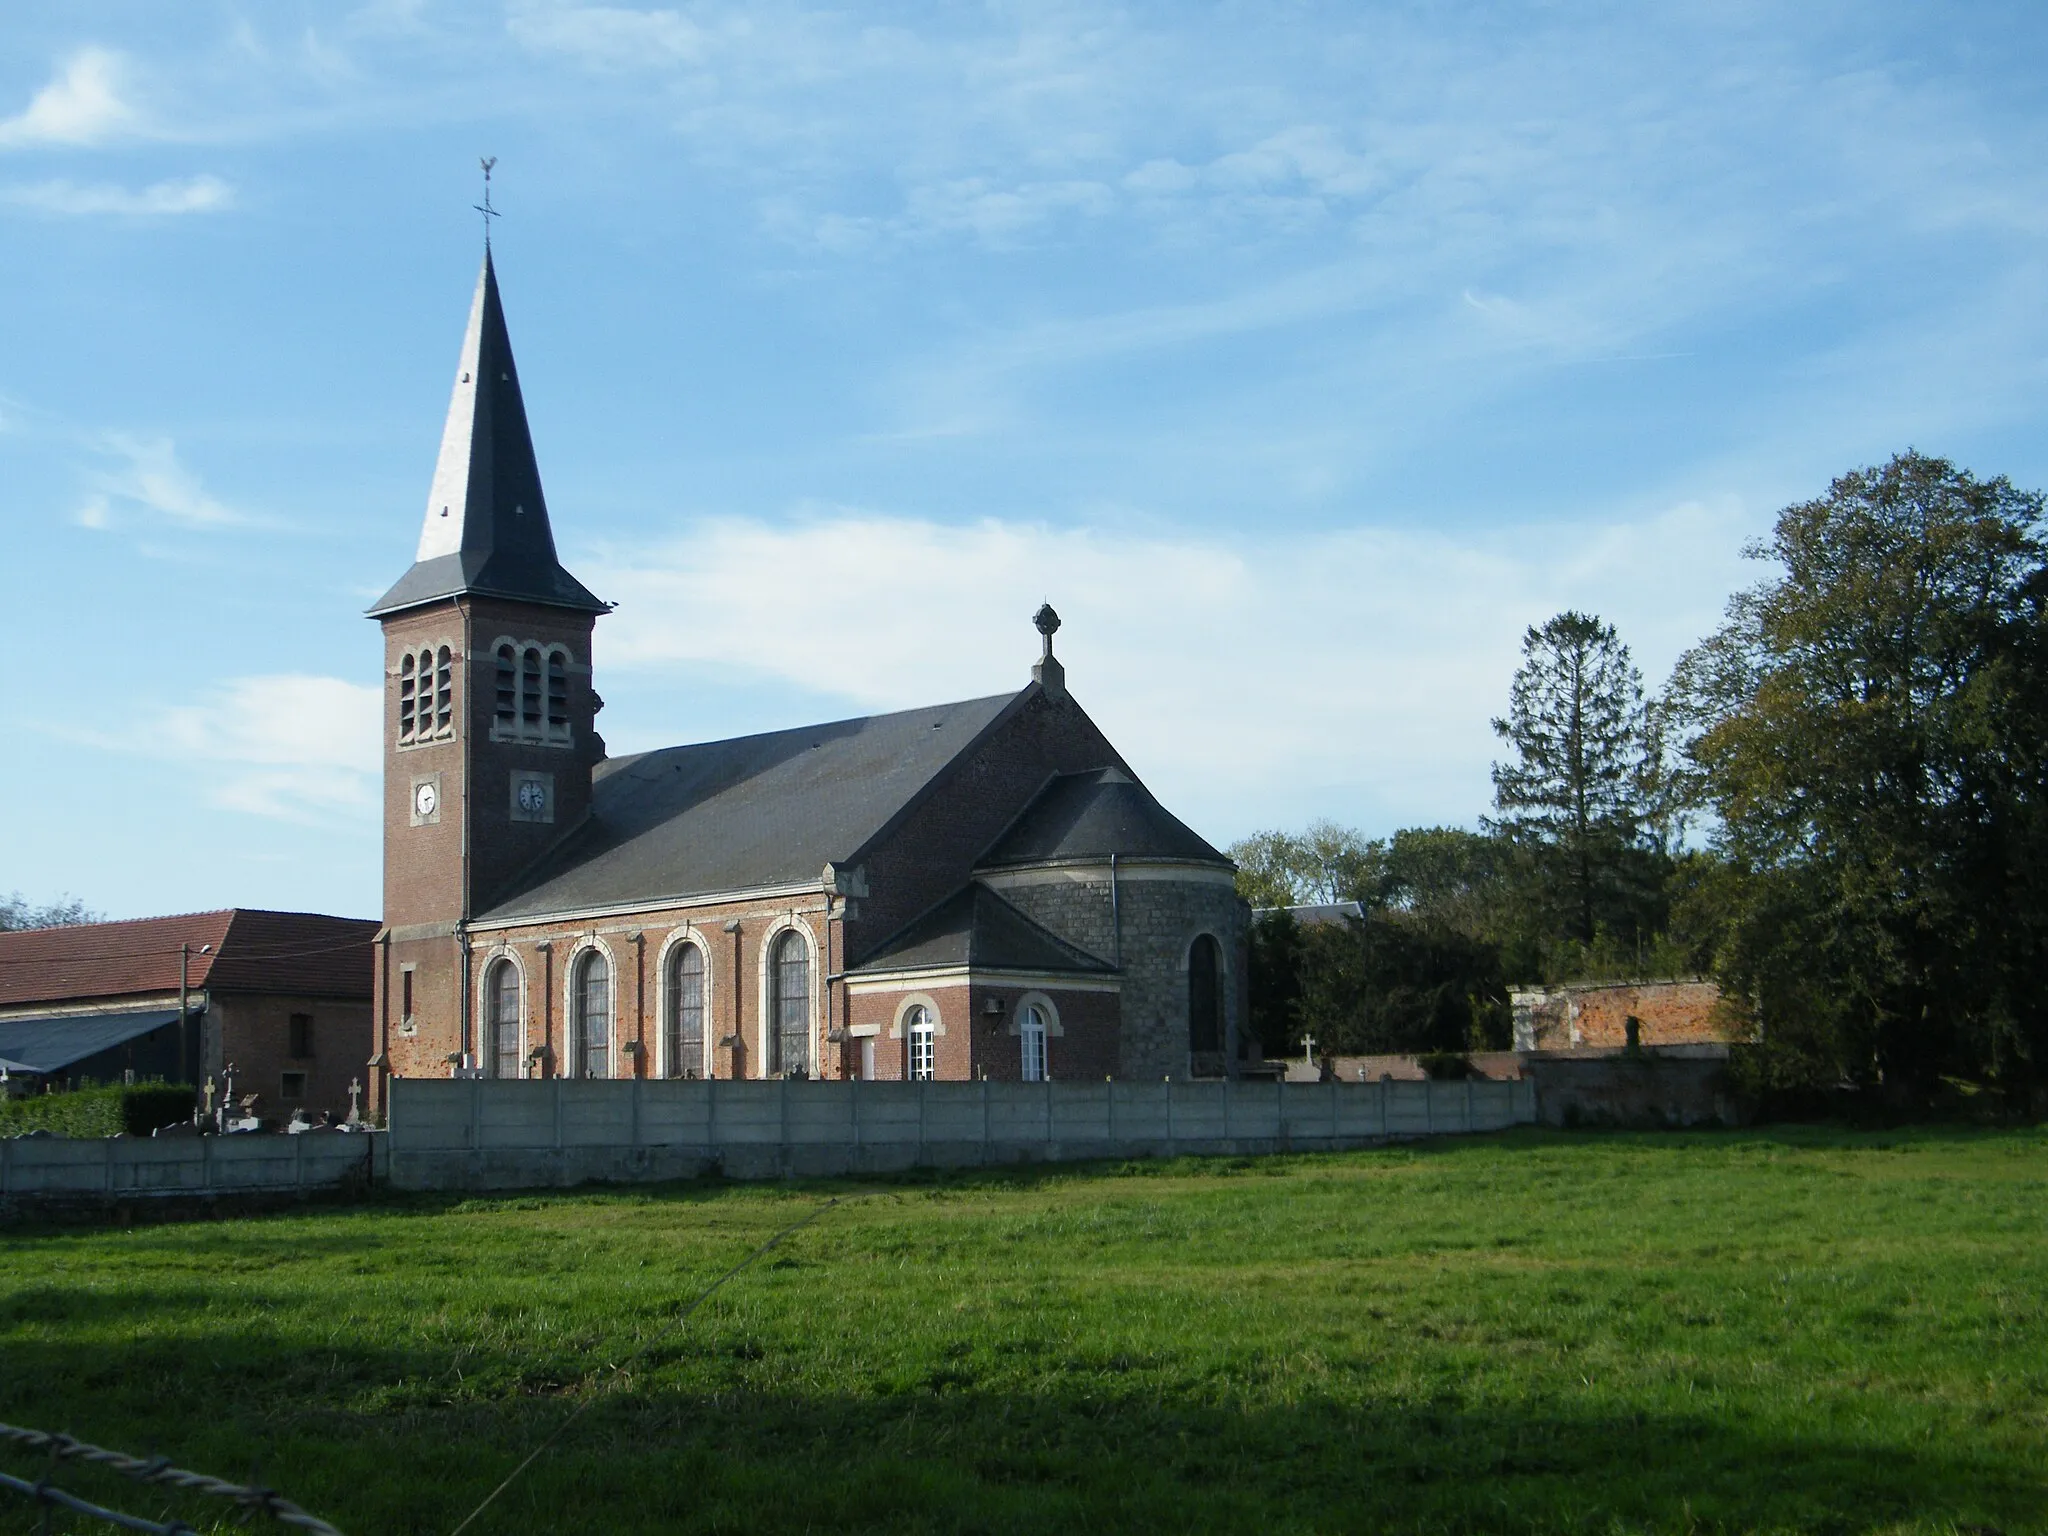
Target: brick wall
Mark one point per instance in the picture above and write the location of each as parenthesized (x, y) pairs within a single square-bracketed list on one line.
[(1159, 917), (1596, 1015), (254, 1034)]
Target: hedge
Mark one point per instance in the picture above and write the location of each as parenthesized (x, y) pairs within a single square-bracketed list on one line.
[(136, 1109)]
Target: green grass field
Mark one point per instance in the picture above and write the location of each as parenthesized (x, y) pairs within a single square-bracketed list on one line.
[(1774, 1330)]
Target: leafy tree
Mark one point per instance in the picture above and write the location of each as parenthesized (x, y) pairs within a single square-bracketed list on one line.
[(1276, 971), (1326, 863), (16, 913), (1575, 788), (1871, 731), (1393, 983)]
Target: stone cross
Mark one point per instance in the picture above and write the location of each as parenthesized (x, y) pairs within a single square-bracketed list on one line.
[(355, 1101), (209, 1094), (1308, 1047)]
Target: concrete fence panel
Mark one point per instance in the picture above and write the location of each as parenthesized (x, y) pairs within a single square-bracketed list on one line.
[(476, 1134), (55, 1167)]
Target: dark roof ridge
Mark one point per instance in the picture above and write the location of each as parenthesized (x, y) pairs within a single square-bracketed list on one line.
[(618, 764)]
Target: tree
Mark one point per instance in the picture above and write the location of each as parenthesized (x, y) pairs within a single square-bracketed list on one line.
[(1324, 864), (1575, 787), (1870, 727), (16, 913)]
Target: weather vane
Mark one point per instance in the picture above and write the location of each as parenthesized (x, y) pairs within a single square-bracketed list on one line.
[(485, 207)]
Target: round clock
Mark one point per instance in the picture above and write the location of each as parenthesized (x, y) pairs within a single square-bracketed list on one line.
[(533, 797), (424, 799)]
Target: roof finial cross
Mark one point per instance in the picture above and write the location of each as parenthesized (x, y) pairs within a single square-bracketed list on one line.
[(485, 207)]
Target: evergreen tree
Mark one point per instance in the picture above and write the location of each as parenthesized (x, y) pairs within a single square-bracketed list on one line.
[(1574, 789)]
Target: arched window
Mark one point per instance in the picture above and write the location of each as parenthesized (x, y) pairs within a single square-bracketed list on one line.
[(1031, 1037), (558, 696), (924, 1039), (407, 704), (529, 691), (1205, 997), (686, 1011), (593, 1008), (444, 692), (508, 686), (501, 1019), (789, 1007)]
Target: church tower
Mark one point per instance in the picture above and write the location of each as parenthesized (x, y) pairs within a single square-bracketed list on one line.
[(489, 715)]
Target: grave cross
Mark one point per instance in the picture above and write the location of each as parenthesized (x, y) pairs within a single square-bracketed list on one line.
[(209, 1095), (1308, 1047), (355, 1101)]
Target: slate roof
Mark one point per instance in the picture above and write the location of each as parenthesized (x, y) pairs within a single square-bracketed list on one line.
[(487, 527), (750, 812), (251, 951), (975, 927), (1092, 815), (44, 1045)]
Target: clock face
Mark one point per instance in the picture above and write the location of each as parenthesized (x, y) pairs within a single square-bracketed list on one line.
[(533, 797), (424, 799)]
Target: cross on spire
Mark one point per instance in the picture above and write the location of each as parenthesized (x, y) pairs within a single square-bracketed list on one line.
[(485, 207)]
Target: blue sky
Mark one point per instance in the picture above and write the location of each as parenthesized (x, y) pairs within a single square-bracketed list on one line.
[(1300, 354)]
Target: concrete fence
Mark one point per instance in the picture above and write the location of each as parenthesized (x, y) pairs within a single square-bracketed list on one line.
[(482, 1134), (55, 1167)]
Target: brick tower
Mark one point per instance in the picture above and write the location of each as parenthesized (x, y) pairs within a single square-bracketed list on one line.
[(489, 715)]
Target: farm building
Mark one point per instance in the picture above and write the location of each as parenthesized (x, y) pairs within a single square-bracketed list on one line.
[(281, 998)]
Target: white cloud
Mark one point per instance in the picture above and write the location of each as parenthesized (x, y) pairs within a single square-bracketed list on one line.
[(1354, 669), (193, 194), (288, 746), (609, 37), (152, 479), (83, 105)]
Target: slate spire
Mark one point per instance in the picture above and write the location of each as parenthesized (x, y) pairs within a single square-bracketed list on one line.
[(486, 527)]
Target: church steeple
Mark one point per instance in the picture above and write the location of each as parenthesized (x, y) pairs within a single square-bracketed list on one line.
[(486, 528)]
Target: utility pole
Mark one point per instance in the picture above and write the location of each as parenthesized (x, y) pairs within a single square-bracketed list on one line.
[(184, 989)]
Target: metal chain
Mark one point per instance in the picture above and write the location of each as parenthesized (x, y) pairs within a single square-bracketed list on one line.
[(156, 1469)]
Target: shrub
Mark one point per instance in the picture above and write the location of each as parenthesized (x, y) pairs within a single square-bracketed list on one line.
[(136, 1109)]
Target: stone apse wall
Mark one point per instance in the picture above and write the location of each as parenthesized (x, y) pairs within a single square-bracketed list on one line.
[(493, 1134)]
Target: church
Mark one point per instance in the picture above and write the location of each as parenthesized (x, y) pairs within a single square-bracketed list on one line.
[(981, 889)]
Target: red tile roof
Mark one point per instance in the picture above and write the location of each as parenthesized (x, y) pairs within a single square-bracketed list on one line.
[(238, 950)]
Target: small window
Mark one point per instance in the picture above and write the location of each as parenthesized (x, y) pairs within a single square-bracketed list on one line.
[(686, 1012), (529, 690), (593, 1016), (301, 1041), (508, 686), (558, 696), (293, 1088), (923, 1044), (406, 703), (405, 995), (444, 692), (1031, 1037)]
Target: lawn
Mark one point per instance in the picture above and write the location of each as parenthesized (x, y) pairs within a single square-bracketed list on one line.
[(1772, 1330)]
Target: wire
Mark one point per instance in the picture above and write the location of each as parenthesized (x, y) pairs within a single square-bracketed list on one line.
[(659, 1334), (155, 1469)]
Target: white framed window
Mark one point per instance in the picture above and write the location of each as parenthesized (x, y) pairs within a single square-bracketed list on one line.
[(685, 1016), (1031, 1042), (503, 1039), (923, 1035), (426, 695), (789, 1005), (591, 992)]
